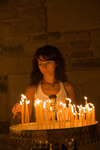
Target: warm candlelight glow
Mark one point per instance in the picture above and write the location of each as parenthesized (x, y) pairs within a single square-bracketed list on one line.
[(78, 115)]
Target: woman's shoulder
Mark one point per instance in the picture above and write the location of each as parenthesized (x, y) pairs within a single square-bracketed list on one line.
[(30, 88), (30, 92), (68, 85)]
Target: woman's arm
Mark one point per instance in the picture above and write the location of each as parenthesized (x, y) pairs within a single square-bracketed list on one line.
[(71, 92)]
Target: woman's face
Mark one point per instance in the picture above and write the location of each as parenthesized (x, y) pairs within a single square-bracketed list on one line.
[(47, 68)]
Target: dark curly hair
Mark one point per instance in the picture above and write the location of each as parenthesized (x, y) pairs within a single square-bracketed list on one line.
[(48, 53)]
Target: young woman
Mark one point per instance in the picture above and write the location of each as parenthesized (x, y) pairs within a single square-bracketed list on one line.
[(47, 78)]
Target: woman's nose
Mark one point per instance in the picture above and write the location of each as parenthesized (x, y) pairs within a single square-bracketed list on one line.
[(44, 66)]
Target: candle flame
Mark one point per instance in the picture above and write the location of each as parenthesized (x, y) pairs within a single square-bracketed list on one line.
[(68, 99), (85, 97), (22, 100), (21, 103), (23, 96), (44, 104), (27, 102), (51, 108)]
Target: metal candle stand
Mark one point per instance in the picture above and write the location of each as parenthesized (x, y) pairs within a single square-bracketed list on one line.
[(53, 139)]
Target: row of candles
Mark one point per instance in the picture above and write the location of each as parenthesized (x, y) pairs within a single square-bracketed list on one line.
[(49, 113)]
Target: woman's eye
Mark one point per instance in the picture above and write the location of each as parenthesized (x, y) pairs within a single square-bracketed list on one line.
[(48, 62)]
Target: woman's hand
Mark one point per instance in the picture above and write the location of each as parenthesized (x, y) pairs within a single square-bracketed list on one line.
[(16, 109)]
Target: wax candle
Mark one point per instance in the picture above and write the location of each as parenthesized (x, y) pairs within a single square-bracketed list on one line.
[(36, 110), (76, 120), (85, 100), (59, 116), (27, 111), (83, 116), (64, 115), (93, 114), (53, 120), (80, 113), (72, 116), (22, 113), (45, 111), (41, 113), (49, 114)]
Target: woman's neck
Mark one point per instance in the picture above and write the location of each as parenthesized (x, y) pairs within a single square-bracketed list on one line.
[(49, 79)]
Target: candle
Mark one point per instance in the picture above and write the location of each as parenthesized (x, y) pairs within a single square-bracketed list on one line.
[(23, 99), (22, 113), (36, 110), (93, 114), (45, 111), (85, 100), (53, 119), (69, 109), (49, 114), (83, 116), (72, 116), (76, 120), (59, 115), (64, 116), (80, 113), (41, 113), (27, 111)]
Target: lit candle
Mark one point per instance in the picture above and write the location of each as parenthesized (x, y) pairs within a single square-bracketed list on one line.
[(83, 116), (80, 113), (45, 111), (27, 111), (36, 110), (23, 99), (72, 116), (76, 120), (59, 116), (64, 116), (41, 113), (85, 100), (69, 109), (49, 114), (22, 113), (93, 114), (52, 114)]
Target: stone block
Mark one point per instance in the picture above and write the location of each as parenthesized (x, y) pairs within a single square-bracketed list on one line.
[(47, 36), (30, 26), (66, 16), (9, 65), (25, 64), (89, 63), (53, 36), (34, 12), (32, 46), (42, 37), (5, 29), (11, 50), (25, 3), (81, 54), (8, 14)]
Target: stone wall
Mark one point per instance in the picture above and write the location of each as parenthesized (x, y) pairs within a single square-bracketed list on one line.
[(72, 26)]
